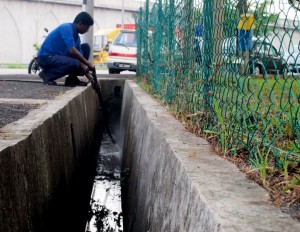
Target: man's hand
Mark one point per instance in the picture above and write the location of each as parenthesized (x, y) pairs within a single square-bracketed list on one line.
[(91, 66), (84, 68), (83, 62), (93, 79), (96, 86)]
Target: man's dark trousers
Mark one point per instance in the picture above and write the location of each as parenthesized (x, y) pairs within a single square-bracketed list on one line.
[(57, 66)]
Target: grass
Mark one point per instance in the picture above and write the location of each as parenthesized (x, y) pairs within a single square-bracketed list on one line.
[(271, 105), (14, 66), (281, 93), (223, 132), (261, 161)]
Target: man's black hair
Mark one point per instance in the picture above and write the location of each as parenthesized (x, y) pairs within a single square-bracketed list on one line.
[(85, 18)]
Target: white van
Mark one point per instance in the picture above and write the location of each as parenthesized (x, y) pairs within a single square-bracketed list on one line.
[(122, 52)]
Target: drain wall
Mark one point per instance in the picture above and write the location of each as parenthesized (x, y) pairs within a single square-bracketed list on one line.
[(174, 181), (39, 157), (44, 158)]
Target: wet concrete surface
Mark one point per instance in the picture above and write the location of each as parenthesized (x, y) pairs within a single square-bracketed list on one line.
[(105, 207), (106, 211)]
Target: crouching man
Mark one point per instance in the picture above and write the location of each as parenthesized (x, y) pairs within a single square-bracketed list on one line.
[(63, 54)]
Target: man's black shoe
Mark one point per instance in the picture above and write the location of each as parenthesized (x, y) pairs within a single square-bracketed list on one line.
[(73, 81), (46, 82), (50, 83)]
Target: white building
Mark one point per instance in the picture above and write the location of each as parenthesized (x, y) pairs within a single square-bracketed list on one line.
[(23, 21)]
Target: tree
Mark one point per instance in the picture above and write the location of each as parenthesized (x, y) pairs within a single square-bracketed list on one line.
[(264, 20)]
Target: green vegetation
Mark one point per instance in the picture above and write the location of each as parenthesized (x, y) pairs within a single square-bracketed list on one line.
[(223, 131), (14, 66), (268, 105), (36, 46), (261, 161)]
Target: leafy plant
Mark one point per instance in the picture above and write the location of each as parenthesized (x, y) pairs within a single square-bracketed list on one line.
[(143, 82), (36, 46), (261, 161), (263, 18), (285, 164), (224, 130), (295, 183)]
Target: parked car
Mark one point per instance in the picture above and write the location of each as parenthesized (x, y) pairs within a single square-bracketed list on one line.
[(292, 55), (102, 40), (122, 52), (263, 57)]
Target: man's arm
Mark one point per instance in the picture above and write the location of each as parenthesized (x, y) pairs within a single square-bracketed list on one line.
[(83, 62), (85, 66)]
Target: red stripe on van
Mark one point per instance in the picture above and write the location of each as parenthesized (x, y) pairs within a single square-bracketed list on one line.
[(122, 54)]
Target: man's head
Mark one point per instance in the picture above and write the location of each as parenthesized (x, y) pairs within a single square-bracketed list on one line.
[(83, 21)]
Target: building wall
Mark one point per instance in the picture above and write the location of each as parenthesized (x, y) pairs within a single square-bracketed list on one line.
[(23, 22)]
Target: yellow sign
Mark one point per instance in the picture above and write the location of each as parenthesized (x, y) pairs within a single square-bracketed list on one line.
[(246, 22)]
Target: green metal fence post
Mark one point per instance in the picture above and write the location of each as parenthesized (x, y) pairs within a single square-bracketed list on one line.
[(208, 51), (170, 45)]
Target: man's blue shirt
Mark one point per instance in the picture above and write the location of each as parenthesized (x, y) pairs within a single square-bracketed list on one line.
[(60, 40)]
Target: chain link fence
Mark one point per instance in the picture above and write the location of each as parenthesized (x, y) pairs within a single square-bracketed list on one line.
[(230, 67)]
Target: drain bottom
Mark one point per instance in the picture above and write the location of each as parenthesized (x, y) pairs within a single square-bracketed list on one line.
[(106, 211)]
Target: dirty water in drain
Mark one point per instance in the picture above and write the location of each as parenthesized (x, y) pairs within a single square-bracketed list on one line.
[(105, 213)]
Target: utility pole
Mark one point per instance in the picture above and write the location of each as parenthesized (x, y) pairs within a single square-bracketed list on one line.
[(122, 14), (88, 6)]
